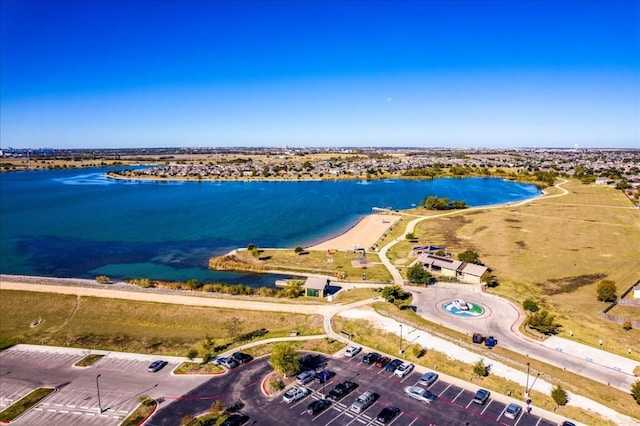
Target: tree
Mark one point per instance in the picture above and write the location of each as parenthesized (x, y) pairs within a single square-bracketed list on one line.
[(559, 395), (192, 353), (480, 369), (417, 274), (544, 322), (103, 279), (635, 391), (410, 236), (298, 250), (391, 292), (293, 289), (233, 326), (607, 291), (530, 305), (284, 359), (469, 256)]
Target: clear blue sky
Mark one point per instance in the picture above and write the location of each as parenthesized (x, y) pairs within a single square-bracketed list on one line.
[(111, 74)]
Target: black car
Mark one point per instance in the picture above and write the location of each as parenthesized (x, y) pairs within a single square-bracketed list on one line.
[(387, 414), (371, 358), (318, 406), (393, 365), (341, 390), (323, 376), (156, 366), (241, 357)]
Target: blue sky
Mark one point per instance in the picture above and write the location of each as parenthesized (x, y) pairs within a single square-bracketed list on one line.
[(111, 74)]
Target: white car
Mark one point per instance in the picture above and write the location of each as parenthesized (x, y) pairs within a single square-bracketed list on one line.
[(352, 351), (295, 394), (461, 304), (421, 394), (404, 369), (512, 411)]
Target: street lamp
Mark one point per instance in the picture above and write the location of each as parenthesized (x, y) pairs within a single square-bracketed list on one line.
[(98, 388), (400, 339), (526, 388)]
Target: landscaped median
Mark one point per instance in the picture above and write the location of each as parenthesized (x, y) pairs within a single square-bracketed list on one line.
[(24, 404)]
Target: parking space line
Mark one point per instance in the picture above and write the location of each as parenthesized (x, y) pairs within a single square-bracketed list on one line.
[(485, 408), (445, 389), (461, 390)]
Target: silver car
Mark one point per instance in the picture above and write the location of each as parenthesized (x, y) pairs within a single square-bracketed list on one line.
[(295, 394), (512, 411), (420, 394)]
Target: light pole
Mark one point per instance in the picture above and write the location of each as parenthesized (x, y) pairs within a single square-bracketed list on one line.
[(526, 388), (98, 388), (400, 339)]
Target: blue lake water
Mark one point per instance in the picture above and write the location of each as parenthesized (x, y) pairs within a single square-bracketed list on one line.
[(79, 223)]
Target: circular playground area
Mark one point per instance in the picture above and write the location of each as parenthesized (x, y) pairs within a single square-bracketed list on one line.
[(461, 308)]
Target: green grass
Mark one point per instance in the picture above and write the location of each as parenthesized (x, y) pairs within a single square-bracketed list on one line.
[(610, 397), (356, 294), (316, 262), (19, 407), (129, 326), (552, 250), (89, 360), (198, 368), (146, 407)]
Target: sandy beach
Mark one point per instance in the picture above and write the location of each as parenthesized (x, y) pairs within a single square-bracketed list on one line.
[(364, 234)]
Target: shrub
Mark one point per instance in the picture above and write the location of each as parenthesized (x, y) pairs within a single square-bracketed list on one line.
[(103, 279), (530, 305), (635, 391), (480, 369), (559, 395), (627, 325)]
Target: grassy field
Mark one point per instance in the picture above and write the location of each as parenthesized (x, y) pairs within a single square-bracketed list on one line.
[(127, 326), (555, 251), (316, 262)]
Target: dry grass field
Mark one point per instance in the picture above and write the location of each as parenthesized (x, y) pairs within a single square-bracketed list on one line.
[(128, 326), (555, 251)]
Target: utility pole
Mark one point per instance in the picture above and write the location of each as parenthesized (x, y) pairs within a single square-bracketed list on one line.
[(98, 388)]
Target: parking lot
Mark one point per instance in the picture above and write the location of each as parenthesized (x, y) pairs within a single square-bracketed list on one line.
[(454, 405), (122, 380)]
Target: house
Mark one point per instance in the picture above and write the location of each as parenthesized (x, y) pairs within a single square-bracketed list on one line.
[(465, 272), (316, 286)]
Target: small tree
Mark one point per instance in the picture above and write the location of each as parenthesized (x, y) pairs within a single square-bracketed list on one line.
[(544, 322), (217, 407), (192, 353), (607, 291), (635, 391), (627, 325), (103, 279), (233, 326), (469, 256), (410, 236), (417, 274), (480, 369), (293, 289), (559, 395), (298, 250), (284, 359), (530, 305)]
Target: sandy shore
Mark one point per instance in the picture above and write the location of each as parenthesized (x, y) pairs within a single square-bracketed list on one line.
[(364, 233)]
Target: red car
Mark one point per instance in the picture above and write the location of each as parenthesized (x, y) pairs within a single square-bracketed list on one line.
[(382, 361)]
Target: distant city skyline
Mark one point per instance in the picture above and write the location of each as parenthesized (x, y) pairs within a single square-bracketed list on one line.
[(495, 74)]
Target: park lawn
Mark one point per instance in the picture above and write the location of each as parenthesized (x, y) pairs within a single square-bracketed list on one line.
[(627, 311), (317, 262), (128, 326), (555, 251), (365, 333)]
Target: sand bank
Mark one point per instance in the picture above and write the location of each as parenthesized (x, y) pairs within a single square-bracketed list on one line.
[(364, 233)]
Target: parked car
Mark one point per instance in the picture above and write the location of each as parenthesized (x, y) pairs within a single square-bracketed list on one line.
[(241, 357), (382, 361), (391, 367), (341, 390), (156, 366), (477, 338), (387, 414), (318, 406), (363, 402), (371, 358), (352, 351), (490, 342), (428, 378), (403, 369), (305, 377), (295, 394), (567, 423), (421, 394), (481, 396), (512, 411), (323, 376), (227, 362)]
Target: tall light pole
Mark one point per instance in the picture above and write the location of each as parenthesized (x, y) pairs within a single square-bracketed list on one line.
[(400, 339), (526, 388), (98, 388)]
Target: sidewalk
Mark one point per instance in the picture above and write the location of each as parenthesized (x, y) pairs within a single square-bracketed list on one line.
[(591, 354)]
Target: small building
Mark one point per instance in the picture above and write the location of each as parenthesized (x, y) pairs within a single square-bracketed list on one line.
[(636, 292), (316, 286), (465, 272), (472, 273)]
